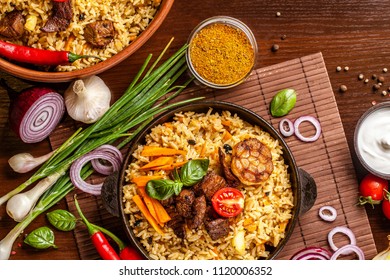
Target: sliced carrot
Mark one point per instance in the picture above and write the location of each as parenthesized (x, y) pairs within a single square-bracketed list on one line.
[(141, 181), (203, 150), (149, 204), (168, 124), (158, 162), (226, 136), (226, 123), (144, 210), (69, 42), (169, 167), (162, 214), (160, 151), (156, 209)]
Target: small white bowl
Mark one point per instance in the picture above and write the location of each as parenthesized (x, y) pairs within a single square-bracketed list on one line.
[(372, 140), (229, 21)]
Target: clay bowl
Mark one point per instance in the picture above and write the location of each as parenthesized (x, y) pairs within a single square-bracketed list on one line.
[(56, 77)]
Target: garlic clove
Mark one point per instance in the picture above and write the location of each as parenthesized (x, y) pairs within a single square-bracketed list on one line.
[(87, 99)]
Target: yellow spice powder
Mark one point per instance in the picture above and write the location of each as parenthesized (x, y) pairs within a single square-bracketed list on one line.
[(221, 54)]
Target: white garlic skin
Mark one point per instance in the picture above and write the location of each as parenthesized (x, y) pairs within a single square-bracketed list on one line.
[(87, 99)]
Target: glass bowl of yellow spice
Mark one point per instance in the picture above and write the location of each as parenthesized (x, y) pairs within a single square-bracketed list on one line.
[(221, 52)]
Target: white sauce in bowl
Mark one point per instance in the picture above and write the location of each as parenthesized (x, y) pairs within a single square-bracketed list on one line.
[(373, 140)]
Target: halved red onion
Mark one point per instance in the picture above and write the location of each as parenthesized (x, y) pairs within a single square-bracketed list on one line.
[(286, 127), (312, 253), (311, 120), (35, 113), (323, 213), (107, 154), (102, 168), (343, 230), (348, 249)]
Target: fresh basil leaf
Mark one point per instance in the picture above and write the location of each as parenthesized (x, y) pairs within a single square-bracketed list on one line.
[(283, 102), (193, 171), (176, 176), (161, 189), (41, 238), (62, 219), (177, 186)]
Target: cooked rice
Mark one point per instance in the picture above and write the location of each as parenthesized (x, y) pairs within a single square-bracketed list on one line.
[(268, 207), (130, 18)]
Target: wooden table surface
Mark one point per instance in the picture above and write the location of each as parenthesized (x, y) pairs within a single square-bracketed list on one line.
[(354, 34)]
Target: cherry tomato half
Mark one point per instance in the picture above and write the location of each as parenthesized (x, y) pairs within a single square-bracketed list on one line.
[(372, 189), (228, 202)]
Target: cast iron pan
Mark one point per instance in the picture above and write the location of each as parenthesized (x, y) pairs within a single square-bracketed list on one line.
[(303, 185)]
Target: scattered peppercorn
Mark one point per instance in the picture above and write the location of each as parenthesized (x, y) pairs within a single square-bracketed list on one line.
[(373, 76), (275, 47), (376, 87), (283, 37), (381, 79), (343, 88), (384, 70), (373, 102), (361, 77), (384, 93), (338, 68), (346, 68), (278, 14), (366, 81)]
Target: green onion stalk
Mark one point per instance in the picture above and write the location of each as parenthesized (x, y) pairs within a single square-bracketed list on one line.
[(136, 106)]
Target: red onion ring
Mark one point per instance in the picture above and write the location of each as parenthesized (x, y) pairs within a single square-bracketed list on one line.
[(75, 169), (311, 120), (282, 127), (312, 253), (343, 230), (329, 218), (347, 249), (102, 168), (35, 113)]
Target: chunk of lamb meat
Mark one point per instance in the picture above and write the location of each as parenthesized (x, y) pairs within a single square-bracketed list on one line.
[(209, 185), (12, 25), (199, 211), (60, 18), (184, 202), (176, 223), (230, 177), (99, 33), (217, 228)]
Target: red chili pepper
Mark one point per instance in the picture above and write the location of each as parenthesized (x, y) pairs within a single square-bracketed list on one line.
[(38, 56), (125, 252), (105, 250)]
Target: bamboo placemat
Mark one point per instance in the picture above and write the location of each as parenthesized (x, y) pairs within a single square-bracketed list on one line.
[(328, 159)]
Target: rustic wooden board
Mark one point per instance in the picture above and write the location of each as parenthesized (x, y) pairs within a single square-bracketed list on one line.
[(328, 159)]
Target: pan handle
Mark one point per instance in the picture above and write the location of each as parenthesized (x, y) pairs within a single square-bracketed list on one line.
[(308, 191), (109, 194)]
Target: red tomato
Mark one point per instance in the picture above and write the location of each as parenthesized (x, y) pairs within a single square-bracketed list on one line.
[(372, 189), (228, 202), (386, 205)]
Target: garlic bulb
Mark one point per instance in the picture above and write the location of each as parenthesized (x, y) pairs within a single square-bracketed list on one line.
[(86, 100), (385, 254)]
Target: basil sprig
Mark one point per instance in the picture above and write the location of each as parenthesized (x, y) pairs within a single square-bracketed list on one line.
[(190, 174), (41, 238), (62, 219), (283, 102)]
